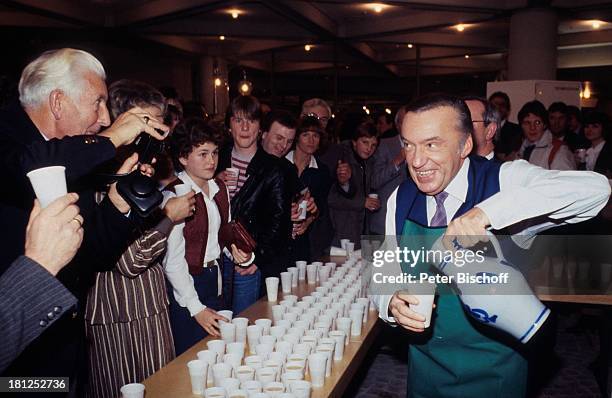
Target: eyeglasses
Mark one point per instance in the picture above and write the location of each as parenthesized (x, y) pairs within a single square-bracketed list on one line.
[(478, 121), (324, 119), (535, 123)]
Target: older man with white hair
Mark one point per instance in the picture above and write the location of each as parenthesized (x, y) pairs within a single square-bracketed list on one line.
[(62, 107)]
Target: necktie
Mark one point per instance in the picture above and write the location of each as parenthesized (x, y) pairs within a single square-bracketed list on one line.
[(527, 152), (439, 218)]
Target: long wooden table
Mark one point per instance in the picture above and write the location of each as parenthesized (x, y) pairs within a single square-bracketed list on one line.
[(173, 379)]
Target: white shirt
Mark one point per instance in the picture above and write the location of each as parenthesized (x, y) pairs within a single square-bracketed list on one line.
[(592, 154), (563, 159), (312, 164), (525, 192), (175, 265), (490, 155)]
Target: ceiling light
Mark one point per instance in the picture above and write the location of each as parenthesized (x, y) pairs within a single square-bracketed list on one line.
[(596, 24), (308, 47), (234, 13), (409, 45), (586, 94), (388, 110), (217, 82), (221, 37), (460, 27), (466, 56), (245, 87), (377, 7)]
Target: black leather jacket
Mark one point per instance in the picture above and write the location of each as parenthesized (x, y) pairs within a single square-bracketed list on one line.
[(263, 205)]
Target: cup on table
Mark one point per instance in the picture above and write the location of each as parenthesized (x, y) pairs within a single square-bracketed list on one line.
[(343, 243), (322, 274), (274, 389), (265, 324), (133, 390), (288, 377), (254, 333), (228, 332), (210, 358), (340, 338), (198, 371), (264, 350), (350, 250), (231, 178), (236, 348), (253, 361), (251, 386), (277, 313), (268, 339), (344, 324), (294, 275), (274, 364), (291, 297), (329, 353), (49, 183), (311, 273), (239, 393), (278, 332), (360, 306), (290, 316), (221, 371), (214, 392), (241, 329), (285, 346), (301, 388), (234, 360), (217, 346), (265, 375), (302, 349), (230, 384), (272, 288), (317, 364), (227, 314), (356, 321), (245, 372), (301, 266), (182, 189), (285, 278), (278, 356)]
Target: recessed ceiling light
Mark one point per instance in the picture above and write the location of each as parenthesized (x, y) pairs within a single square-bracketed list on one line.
[(221, 37), (387, 110), (234, 13), (308, 47), (460, 27), (217, 82), (377, 7), (409, 45), (596, 24), (466, 56)]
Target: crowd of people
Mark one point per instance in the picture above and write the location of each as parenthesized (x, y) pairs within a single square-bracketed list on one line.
[(94, 291)]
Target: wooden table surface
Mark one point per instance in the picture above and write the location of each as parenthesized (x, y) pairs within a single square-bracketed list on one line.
[(173, 379)]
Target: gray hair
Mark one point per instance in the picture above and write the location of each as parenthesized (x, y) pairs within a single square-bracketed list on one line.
[(61, 69), (311, 103), (490, 114)]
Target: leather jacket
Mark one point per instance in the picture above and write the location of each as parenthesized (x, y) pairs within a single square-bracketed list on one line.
[(263, 205)]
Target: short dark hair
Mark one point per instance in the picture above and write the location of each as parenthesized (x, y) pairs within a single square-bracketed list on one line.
[(388, 117), (490, 114), (433, 101), (600, 118), (126, 94), (309, 123), (575, 111), (502, 95), (246, 105), (189, 134), (278, 116), (558, 107), (534, 107), (365, 129)]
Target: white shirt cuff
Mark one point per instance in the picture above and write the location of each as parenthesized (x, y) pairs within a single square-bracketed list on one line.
[(382, 302), (195, 306)]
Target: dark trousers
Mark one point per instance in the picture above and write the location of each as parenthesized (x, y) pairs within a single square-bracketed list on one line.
[(186, 331)]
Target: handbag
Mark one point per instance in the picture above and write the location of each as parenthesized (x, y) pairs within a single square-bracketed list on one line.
[(235, 232)]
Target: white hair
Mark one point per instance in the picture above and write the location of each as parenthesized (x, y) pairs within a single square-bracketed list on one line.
[(311, 103), (61, 69)]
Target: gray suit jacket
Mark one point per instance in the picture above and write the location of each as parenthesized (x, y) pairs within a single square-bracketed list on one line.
[(31, 299), (385, 178)]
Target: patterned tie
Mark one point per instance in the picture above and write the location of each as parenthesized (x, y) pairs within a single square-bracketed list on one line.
[(439, 218)]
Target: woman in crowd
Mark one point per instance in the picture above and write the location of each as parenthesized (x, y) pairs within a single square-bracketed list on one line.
[(192, 264), (599, 155), (350, 198), (314, 175), (127, 324), (539, 146)]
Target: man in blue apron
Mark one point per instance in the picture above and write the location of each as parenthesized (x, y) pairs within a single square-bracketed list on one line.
[(459, 195)]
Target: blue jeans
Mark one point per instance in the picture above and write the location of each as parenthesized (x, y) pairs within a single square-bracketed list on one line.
[(245, 289)]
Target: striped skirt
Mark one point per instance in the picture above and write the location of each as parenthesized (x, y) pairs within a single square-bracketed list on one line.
[(127, 352)]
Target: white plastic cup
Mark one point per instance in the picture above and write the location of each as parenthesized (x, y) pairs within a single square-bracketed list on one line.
[(239, 393), (302, 349), (285, 346), (265, 375), (241, 329), (233, 174), (265, 324), (316, 367), (251, 386), (234, 360), (217, 346), (288, 377), (182, 189), (210, 357), (214, 392), (236, 348), (350, 250), (133, 390), (268, 339), (49, 183), (286, 281), (264, 350), (340, 337), (294, 275), (373, 195), (343, 243), (274, 389), (230, 384), (311, 273), (301, 266), (322, 274), (301, 388), (254, 361), (228, 332), (272, 288), (303, 210), (226, 314), (244, 373), (277, 313), (197, 373), (221, 371), (329, 352)]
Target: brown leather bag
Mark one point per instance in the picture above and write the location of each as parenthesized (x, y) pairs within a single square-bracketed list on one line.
[(234, 232)]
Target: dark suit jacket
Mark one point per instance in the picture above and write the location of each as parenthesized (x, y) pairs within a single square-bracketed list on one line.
[(263, 204), (510, 138), (107, 231), (603, 164), (28, 306)]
